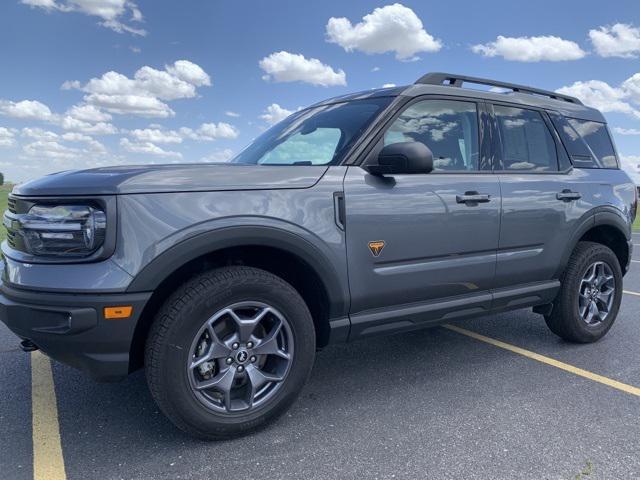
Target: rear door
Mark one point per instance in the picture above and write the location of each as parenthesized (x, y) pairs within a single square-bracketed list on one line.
[(543, 197), (416, 239)]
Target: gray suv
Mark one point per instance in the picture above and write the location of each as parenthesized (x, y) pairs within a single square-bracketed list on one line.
[(373, 213)]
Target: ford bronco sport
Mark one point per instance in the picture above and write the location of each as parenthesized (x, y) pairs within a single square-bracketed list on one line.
[(368, 214)]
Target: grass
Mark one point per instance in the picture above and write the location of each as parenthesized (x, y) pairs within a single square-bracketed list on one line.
[(4, 194)]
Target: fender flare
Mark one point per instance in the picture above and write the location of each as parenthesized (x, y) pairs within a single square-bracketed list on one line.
[(600, 216), (165, 264)]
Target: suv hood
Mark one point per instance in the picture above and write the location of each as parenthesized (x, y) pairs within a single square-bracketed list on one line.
[(172, 178)]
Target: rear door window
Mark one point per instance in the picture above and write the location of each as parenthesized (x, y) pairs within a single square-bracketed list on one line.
[(527, 143), (596, 136)]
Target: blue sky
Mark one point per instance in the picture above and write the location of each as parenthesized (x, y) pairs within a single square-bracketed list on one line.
[(96, 82)]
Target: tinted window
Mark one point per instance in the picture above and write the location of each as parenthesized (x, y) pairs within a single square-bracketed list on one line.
[(596, 136), (527, 143), (448, 127), (316, 136), (317, 147)]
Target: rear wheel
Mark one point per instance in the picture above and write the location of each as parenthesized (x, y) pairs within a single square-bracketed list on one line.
[(590, 295), (229, 351)]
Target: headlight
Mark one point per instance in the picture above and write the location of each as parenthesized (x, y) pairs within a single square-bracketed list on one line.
[(59, 230)]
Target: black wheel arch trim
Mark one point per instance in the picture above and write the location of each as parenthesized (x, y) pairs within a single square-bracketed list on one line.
[(161, 267), (603, 215)]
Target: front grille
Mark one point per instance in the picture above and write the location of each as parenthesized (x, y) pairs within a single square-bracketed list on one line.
[(11, 238), (11, 204), (16, 206)]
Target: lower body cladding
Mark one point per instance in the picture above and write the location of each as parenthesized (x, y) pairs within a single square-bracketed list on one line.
[(418, 315), (72, 328)]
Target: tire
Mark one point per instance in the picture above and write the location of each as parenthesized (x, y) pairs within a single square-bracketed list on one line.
[(565, 319), (195, 324)]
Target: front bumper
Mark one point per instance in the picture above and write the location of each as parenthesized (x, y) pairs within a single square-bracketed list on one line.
[(71, 328)]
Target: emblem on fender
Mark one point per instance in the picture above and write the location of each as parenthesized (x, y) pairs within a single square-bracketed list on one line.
[(376, 247)]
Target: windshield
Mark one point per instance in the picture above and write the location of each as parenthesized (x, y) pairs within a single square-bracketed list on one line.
[(315, 136)]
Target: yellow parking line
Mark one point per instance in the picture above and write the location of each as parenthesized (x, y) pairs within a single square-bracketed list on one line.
[(48, 463), (548, 361)]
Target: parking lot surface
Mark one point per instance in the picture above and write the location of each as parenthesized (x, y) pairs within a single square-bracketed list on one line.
[(436, 403)]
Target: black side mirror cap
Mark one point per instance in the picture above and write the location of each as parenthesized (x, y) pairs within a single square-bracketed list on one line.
[(403, 158)]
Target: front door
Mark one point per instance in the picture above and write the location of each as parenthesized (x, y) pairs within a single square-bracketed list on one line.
[(423, 239)]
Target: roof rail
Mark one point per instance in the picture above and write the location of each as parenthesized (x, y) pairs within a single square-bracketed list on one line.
[(452, 80)]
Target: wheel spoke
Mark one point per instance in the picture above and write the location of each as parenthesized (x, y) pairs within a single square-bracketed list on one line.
[(590, 275), (259, 379), (217, 349), (246, 326), (221, 382), (604, 298), (591, 311), (269, 344)]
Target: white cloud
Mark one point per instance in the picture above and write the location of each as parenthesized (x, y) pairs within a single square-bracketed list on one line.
[(146, 93), (631, 165), (375, 69), (229, 113), (141, 106), (631, 88), (26, 110), (189, 72), (50, 149), (289, 67), (78, 118), (111, 12), (71, 85), (531, 49), (218, 156), (211, 131), (393, 28), (147, 148), (39, 134), (155, 135), (274, 113), (93, 145), (73, 124), (7, 137), (619, 40), (601, 95), (626, 131), (88, 113)]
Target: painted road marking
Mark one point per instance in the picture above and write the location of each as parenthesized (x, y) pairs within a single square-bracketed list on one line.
[(635, 261), (629, 292), (548, 361), (48, 463)]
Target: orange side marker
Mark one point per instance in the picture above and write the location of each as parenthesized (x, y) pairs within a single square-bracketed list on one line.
[(113, 313)]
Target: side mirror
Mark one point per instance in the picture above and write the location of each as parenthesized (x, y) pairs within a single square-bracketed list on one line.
[(403, 158)]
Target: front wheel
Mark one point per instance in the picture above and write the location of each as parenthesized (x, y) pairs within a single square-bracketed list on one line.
[(229, 351), (590, 295)]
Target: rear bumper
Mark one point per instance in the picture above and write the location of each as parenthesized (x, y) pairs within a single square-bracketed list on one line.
[(71, 328)]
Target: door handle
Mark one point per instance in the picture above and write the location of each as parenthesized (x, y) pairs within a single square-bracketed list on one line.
[(473, 198), (567, 195)]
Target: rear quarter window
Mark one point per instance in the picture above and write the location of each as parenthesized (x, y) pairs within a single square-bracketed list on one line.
[(596, 136), (588, 143)]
